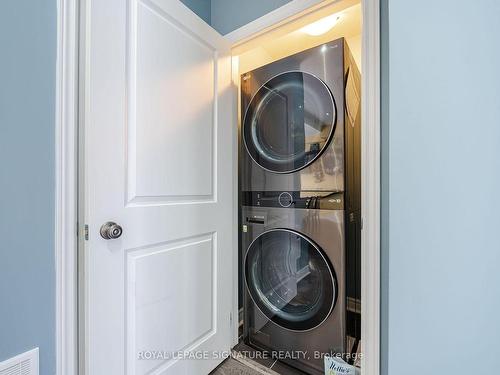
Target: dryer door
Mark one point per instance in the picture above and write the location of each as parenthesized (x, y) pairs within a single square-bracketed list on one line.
[(290, 280), (289, 122)]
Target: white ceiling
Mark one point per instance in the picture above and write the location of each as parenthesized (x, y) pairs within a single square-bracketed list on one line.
[(288, 39)]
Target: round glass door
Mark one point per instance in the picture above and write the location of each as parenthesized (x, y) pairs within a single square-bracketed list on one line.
[(290, 280), (289, 122)]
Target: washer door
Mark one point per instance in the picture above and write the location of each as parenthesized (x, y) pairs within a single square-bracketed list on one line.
[(290, 280), (289, 122)]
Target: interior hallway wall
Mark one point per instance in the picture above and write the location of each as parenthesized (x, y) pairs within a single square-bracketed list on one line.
[(27, 99), (201, 7), (441, 184), (228, 15)]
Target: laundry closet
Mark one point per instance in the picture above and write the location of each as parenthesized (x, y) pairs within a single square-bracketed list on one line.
[(299, 208), (233, 215)]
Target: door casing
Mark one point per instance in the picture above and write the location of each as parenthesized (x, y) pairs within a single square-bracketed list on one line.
[(69, 228)]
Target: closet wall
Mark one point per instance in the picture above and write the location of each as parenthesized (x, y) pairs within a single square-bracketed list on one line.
[(228, 15)]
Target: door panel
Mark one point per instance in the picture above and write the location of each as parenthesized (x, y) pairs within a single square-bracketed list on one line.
[(166, 124), (157, 93), (148, 304)]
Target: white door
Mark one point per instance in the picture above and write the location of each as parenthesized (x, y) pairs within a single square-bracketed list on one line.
[(159, 141)]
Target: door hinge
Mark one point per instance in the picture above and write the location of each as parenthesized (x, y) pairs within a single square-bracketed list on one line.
[(86, 232), (231, 318), (361, 223)]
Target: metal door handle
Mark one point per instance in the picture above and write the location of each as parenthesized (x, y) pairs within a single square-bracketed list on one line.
[(111, 230)]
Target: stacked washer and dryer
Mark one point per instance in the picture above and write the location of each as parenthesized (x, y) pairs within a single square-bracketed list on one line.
[(300, 205)]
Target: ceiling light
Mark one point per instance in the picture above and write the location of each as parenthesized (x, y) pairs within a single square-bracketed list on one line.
[(321, 26)]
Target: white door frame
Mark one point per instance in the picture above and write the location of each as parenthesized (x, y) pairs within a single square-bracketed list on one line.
[(66, 140), (66, 197)]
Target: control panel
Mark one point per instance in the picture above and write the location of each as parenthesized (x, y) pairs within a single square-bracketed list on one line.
[(294, 199)]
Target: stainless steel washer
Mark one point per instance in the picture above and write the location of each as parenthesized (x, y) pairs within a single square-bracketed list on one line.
[(294, 270)]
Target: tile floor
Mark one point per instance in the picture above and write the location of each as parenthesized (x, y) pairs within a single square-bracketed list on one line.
[(245, 362), (233, 367)]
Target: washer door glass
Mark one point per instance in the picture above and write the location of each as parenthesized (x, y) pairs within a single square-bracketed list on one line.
[(290, 280), (289, 122)]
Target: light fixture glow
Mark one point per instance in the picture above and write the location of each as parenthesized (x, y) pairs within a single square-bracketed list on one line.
[(321, 26)]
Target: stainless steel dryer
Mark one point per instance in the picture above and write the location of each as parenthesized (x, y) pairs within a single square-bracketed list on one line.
[(292, 127), (294, 276)]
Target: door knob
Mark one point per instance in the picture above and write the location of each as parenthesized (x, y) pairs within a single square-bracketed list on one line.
[(111, 230)]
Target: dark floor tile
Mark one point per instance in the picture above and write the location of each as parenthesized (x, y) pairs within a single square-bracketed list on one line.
[(283, 369), (232, 367), (255, 355)]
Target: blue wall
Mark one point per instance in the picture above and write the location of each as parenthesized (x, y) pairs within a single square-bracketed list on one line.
[(228, 15), (27, 93), (201, 7), (442, 180)]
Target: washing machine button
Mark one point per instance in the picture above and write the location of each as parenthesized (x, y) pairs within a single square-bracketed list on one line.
[(285, 199)]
